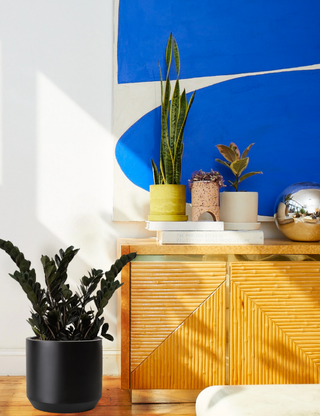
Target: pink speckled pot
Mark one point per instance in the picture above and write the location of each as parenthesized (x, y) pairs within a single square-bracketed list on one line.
[(205, 198)]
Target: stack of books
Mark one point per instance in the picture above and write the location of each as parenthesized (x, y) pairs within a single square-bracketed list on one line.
[(202, 232)]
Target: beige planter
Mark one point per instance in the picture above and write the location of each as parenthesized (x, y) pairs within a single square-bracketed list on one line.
[(205, 198), (239, 207), (168, 203)]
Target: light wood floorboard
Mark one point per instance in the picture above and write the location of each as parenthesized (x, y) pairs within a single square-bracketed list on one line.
[(114, 402)]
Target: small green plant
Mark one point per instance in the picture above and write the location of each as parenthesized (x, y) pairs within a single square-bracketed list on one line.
[(58, 313), (235, 162), (212, 176), (174, 115)]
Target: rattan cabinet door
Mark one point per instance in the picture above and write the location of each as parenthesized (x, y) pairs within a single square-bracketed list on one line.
[(274, 322), (178, 333)]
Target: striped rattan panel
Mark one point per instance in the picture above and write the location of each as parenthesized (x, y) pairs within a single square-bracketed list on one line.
[(193, 356), (275, 322), (163, 295)]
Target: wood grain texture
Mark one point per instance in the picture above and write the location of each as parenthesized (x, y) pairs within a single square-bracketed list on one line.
[(275, 322), (125, 322), (164, 396), (114, 401), (163, 295), (271, 246), (193, 356)]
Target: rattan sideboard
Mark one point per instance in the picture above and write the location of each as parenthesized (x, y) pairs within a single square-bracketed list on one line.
[(195, 316)]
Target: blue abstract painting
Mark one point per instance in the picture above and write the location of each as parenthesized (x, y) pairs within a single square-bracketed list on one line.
[(279, 112)]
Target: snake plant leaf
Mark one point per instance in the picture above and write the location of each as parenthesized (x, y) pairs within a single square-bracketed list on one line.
[(161, 83), (156, 176), (246, 151), (229, 154), (177, 171), (180, 133), (166, 153), (247, 175), (173, 119), (167, 158), (169, 54), (183, 109), (174, 116), (162, 172), (239, 166), (176, 57)]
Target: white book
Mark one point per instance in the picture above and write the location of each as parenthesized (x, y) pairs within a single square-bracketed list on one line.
[(211, 237), (184, 225)]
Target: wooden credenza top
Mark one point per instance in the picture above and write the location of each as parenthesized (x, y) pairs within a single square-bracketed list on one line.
[(151, 246)]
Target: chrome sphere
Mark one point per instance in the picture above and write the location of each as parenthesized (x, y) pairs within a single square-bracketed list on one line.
[(297, 212)]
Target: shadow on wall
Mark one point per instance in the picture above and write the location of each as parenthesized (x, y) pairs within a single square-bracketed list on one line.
[(57, 149), (56, 119)]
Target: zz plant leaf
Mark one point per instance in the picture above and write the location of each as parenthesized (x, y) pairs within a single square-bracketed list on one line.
[(58, 313)]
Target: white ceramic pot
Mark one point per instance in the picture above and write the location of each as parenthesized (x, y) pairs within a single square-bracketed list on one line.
[(239, 207)]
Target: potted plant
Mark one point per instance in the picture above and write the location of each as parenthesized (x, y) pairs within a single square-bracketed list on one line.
[(239, 208), (204, 187), (167, 195), (64, 359)]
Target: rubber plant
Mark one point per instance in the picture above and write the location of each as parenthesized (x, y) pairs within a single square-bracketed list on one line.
[(236, 162), (58, 313), (174, 115)]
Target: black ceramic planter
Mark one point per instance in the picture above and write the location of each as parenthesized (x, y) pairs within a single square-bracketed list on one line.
[(64, 376)]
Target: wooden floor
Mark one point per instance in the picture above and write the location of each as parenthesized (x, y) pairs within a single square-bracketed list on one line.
[(114, 402)]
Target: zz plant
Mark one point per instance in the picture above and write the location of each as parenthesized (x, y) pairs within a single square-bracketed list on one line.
[(58, 313), (174, 115), (236, 162)]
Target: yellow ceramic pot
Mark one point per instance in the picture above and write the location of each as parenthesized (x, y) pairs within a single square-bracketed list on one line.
[(167, 203)]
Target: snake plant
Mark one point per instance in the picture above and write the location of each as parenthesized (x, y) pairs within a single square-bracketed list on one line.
[(235, 162), (174, 115), (58, 313)]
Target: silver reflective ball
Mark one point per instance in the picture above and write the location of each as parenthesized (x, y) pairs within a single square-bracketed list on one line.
[(297, 212)]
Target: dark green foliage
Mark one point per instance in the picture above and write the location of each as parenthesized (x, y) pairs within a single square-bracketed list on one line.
[(58, 313)]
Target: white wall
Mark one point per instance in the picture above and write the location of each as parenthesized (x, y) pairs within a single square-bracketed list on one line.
[(56, 151)]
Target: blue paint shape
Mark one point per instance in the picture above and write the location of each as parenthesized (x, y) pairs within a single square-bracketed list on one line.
[(277, 112), (217, 37)]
